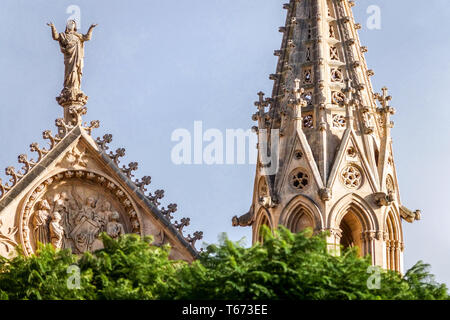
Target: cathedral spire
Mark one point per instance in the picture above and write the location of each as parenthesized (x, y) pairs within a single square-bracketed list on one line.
[(336, 171)]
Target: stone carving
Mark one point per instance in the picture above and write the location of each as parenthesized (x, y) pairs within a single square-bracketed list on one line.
[(40, 219), (7, 241), (28, 164), (145, 181), (244, 220), (338, 98), (56, 230), (409, 215), (351, 152), (71, 209), (368, 122), (351, 177), (299, 179), (308, 122), (76, 157), (114, 229), (72, 46), (382, 199)]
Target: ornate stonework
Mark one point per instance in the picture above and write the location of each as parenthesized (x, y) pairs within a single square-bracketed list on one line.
[(348, 183), (71, 43), (7, 239), (86, 202), (74, 189)]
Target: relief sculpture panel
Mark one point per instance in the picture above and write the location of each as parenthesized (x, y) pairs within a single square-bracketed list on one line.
[(72, 209)]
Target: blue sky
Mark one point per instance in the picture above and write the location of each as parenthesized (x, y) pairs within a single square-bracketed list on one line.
[(156, 66)]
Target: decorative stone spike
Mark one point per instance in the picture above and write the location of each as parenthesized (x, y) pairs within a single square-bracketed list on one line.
[(132, 166), (72, 98), (11, 171), (145, 181), (95, 124), (47, 134), (159, 194), (103, 143), (171, 208), (198, 235), (27, 164), (185, 222), (116, 156), (34, 147)]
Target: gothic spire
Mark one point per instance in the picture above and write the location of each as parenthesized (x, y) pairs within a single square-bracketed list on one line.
[(321, 51), (328, 141)]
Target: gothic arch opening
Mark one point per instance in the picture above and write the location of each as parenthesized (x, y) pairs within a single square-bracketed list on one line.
[(393, 244), (351, 231), (299, 220), (263, 222)]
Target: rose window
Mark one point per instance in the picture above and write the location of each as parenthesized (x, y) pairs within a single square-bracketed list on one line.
[(339, 121), (300, 179), (337, 97), (351, 177)]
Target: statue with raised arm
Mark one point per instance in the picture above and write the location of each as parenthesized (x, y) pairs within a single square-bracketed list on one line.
[(72, 46)]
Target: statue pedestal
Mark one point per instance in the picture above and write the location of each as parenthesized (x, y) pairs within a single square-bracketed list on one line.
[(73, 102)]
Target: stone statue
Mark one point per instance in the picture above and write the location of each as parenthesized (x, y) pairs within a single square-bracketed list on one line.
[(56, 231), (60, 201), (88, 210), (40, 222), (114, 229), (72, 46), (72, 212), (103, 214)]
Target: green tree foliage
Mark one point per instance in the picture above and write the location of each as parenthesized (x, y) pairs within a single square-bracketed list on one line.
[(285, 266), (296, 266)]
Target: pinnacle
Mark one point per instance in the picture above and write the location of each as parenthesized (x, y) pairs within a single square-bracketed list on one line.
[(320, 50)]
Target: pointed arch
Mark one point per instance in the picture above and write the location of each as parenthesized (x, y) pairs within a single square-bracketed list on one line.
[(263, 218), (301, 213), (360, 208), (394, 241), (351, 232), (355, 222)]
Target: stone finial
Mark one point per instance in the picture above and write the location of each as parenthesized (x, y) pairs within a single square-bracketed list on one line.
[(198, 235)]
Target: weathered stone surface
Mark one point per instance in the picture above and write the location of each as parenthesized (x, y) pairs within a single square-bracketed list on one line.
[(335, 161)]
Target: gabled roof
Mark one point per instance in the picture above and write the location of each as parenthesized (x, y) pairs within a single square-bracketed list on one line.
[(59, 143)]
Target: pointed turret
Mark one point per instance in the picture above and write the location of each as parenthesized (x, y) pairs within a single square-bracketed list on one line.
[(333, 152), (74, 189)]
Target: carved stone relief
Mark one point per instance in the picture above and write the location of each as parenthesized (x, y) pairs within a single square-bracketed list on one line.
[(7, 239), (71, 209)]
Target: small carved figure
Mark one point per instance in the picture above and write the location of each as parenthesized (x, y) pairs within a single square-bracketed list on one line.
[(40, 222), (56, 231), (102, 216), (114, 229), (72, 212), (60, 202), (87, 211)]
